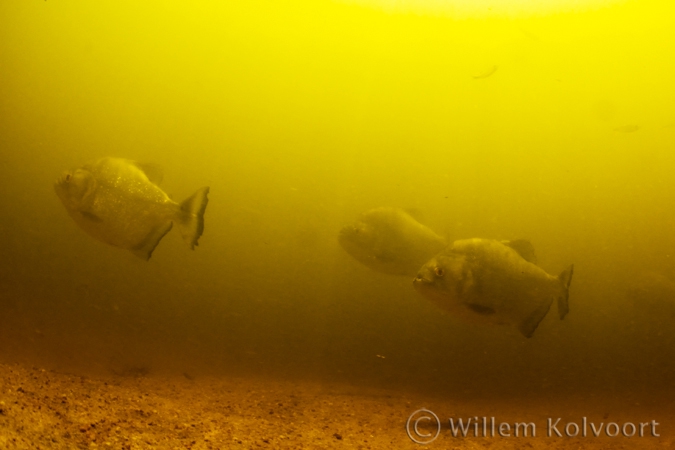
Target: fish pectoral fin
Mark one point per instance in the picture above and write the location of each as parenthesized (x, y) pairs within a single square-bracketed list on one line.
[(565, 279), (531, 323), (480, 309), (89, 216), (385, 256), (145, 249)]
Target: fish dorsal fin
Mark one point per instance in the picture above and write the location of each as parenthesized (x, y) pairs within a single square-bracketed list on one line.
[(145, 249), (415, 213), (523, 248), (152, 171)]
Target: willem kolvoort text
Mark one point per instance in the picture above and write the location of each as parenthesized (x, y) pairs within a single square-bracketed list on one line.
[(489, 427)]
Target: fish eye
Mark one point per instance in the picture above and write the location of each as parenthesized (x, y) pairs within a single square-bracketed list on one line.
[(439, 271)]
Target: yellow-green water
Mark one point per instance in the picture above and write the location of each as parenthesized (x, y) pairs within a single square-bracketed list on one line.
[(302, 115)]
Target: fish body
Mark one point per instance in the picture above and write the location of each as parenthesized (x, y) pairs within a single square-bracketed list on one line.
[(487, 281), (118, 202), (390, 240)]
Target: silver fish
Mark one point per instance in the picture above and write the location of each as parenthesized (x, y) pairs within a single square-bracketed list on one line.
[(389, 240), (118, 202), (489, 281)]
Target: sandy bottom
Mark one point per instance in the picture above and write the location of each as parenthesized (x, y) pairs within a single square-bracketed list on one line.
[(43, 409)]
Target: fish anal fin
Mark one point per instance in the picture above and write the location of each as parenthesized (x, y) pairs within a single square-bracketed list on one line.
[(565, 279), (531, 323), (144, 251), (524, 248)]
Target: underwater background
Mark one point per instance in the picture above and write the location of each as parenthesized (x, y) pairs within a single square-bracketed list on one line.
[(554, 127)]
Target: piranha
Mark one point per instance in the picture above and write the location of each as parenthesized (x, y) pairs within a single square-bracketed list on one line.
[(389, 240), (489, 281), (118, 202)]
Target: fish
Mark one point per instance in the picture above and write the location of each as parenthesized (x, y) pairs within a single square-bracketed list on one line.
[(391, 241), (485, 73), (118, 202), (627, 128), (489, 281)]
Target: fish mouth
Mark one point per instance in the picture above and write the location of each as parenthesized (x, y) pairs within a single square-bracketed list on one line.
[(63, 179), (419, 281)]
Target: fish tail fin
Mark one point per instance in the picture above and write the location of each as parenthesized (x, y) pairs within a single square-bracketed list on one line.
[(565, 278), (191, 216)]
